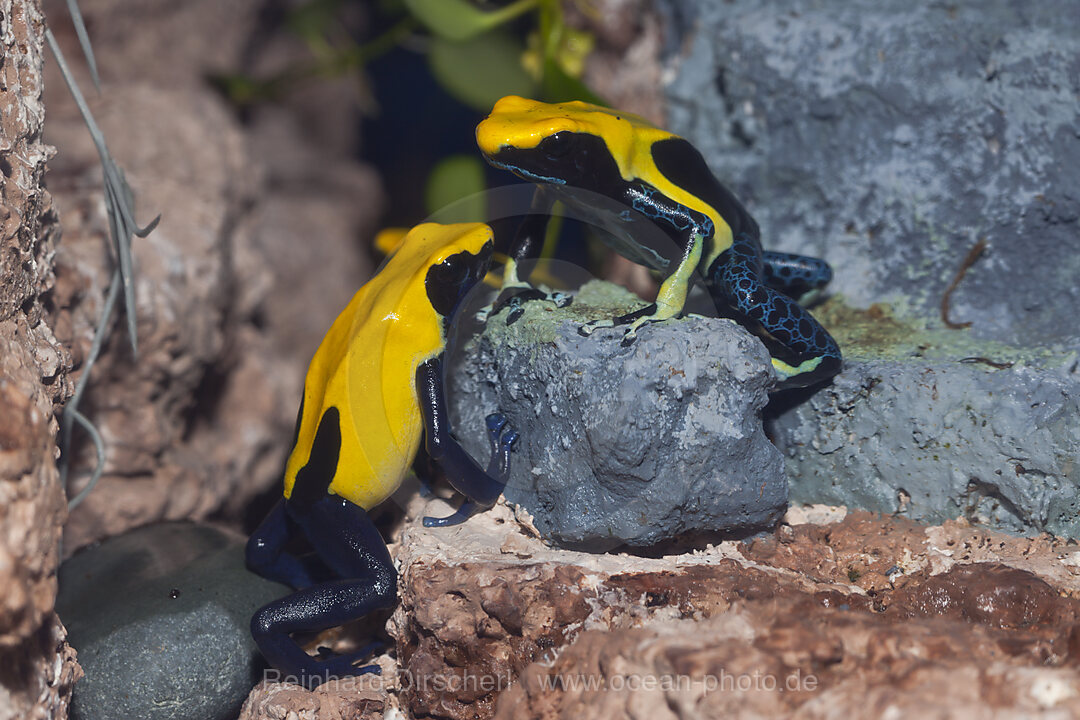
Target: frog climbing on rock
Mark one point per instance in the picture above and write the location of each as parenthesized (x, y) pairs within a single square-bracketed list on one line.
[(373, 392), (604, 163)]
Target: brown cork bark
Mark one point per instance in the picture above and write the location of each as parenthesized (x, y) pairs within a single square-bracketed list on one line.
[(37, 669)]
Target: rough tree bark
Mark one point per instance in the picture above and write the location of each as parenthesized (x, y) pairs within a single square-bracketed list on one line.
[(37, 668)]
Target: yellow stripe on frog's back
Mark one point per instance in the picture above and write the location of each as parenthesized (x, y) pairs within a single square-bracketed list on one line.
[(366, 367), (524, 124)]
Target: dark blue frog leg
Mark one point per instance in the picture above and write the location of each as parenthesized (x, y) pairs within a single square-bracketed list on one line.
[(526, 245), (803, 351), (794, 275), (529, 238), (347, 540), (480, 488), (265, 553)]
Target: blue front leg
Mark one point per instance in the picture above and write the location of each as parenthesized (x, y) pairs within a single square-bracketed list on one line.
[(480, 488)]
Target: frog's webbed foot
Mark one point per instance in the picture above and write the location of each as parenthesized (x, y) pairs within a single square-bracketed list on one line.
[(513, 300), (636, 320)]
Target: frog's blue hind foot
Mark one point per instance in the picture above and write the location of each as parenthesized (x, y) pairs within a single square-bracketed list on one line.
[(803, 351), (344, 535), (794, 275)]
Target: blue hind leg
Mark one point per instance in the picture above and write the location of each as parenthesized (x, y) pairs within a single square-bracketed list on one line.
[(345, 538), (794, 275), (803, 351)]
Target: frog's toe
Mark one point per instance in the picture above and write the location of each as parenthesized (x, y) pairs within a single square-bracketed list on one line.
[(463, 513), (495, 423), (513, 299), (342, 666), (515, 313), (501, 435), (561, 299), (588, 328), (631, 333), (509, 438)]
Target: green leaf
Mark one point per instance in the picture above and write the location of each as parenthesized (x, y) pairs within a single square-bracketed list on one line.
[(481, 71), (455, 190), (460, 19), (560, 87)]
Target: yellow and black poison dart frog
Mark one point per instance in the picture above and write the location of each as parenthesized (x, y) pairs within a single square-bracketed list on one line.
[(373, 391), (568, 148)]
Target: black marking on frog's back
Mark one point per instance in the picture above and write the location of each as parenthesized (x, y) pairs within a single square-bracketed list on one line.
[(299, 419), (313, 480), (681, 163), (448, 282)]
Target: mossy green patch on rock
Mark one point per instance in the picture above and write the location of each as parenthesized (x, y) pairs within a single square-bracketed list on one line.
[(883, 332), (540, 321)]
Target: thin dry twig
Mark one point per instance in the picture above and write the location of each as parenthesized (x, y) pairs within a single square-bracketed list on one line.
[(119, 203), (972, 256)]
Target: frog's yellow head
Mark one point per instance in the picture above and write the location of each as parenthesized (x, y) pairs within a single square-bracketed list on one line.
[(571, 143)]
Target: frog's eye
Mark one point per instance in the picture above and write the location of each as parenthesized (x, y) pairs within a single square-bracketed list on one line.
[(558, 145)]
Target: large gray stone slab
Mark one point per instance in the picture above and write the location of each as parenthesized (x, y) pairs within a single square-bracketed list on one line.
[(889, 136), (934, 425), (618, 444)]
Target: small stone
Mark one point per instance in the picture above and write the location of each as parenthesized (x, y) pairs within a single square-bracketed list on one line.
[(160, 618)]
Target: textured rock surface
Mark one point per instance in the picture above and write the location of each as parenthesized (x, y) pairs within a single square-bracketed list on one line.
[(889, 138), (160, 456), (625, 444), (850, 614), (160, 616), (37, 668), (255, 254), (623, 63), (852, 610), (935, 425), (359, 699), (735, 666)]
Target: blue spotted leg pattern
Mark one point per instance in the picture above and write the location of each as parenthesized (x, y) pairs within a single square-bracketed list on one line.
[(803, 352)]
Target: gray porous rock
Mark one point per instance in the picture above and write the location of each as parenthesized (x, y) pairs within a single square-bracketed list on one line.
[(934, 425), (938, 441), (624, 445), (160, 618), (890, 138)]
